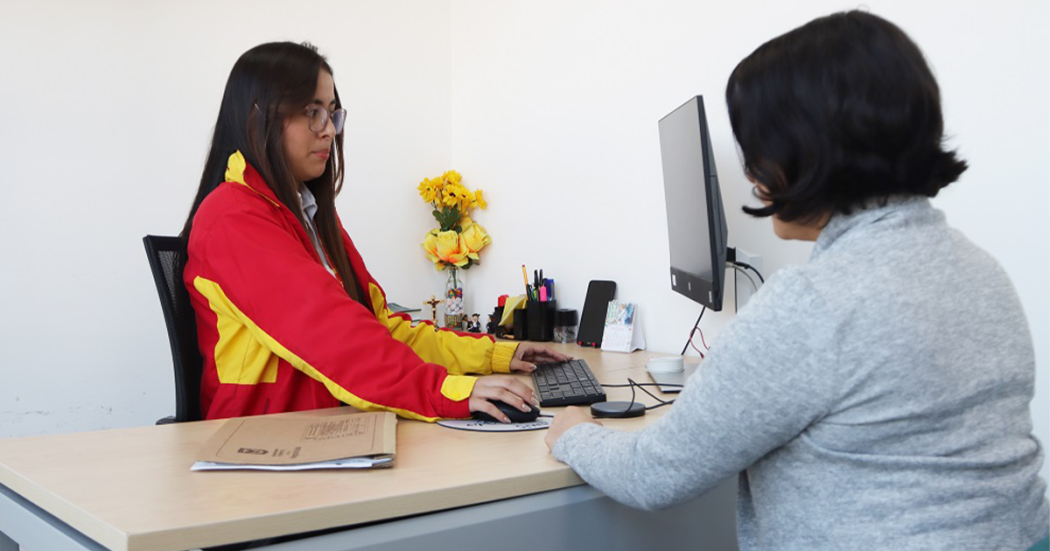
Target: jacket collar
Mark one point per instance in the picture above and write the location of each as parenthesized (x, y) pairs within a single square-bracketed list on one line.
[(238, 171)]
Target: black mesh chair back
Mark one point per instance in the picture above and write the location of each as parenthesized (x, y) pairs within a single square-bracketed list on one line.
[(163, 253)]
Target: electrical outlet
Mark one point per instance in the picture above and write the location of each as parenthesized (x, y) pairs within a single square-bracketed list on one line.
[(746, 281)]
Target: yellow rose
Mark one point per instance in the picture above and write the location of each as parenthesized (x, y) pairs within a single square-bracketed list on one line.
[(444, 246), (430, 247), (473, 238)]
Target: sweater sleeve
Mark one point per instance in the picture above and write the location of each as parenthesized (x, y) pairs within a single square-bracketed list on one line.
[(255, 273), (769, 376)]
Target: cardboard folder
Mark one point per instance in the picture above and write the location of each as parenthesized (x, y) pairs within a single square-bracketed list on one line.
[(338, 438)]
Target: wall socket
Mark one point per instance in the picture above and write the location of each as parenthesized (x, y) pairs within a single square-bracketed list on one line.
[(743, 287)]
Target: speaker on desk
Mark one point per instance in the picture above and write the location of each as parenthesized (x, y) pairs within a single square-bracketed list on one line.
[(592, 321)]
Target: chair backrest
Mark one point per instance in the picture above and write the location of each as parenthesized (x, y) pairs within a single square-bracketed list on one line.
[(163, 254)]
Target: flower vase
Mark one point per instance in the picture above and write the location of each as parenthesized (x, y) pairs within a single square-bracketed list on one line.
[(454, 300)]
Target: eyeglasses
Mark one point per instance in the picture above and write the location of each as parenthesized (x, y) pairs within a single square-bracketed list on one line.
[(319, 118)]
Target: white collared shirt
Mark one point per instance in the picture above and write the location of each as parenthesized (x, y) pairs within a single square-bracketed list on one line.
[(309, 203)]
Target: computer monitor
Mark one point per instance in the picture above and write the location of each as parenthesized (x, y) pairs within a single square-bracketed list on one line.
[(696, 222)]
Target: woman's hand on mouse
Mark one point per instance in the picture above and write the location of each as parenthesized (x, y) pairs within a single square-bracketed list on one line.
[(505, 389), (564, 421), (527, 355)]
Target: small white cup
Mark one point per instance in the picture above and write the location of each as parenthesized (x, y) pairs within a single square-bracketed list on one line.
[(665, 364)]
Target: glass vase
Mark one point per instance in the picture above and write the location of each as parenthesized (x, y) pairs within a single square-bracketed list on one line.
[(454, 299)]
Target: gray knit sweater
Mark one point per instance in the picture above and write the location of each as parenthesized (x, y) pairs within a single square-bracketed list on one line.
[(875, 398)]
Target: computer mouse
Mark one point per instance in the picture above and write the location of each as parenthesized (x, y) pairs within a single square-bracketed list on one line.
[(515, 414)]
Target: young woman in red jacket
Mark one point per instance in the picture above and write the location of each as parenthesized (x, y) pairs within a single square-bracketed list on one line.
[(288, 316)]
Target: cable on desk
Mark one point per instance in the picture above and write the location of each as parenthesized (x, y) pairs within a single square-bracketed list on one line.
[(653, 396), (641, 386)]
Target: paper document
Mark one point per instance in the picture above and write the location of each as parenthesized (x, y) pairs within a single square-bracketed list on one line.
[(339, 438)]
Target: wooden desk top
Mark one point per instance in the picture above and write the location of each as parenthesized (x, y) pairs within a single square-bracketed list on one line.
[(131, 489)]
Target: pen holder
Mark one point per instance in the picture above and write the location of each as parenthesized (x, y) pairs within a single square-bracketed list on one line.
[(541, 319), (521, 330)]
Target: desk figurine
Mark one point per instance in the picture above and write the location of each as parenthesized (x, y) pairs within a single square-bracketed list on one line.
[(474, 325), (433, 304), (493, 325)]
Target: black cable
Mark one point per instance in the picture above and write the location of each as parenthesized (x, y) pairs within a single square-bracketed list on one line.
[(643, 384), (747, 266), (695, 325), (651, 395), (747, 275)]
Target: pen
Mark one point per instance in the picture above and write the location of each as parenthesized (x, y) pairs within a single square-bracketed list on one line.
[(525, 279)]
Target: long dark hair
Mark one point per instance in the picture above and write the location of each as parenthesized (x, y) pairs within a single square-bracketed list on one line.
[(267, 84), (837, 113)]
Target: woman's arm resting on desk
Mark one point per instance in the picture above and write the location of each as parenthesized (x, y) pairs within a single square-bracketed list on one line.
[(460, 353), (566, 420), (744, 402)]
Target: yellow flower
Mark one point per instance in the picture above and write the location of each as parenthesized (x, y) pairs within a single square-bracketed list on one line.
[(455, 195), (479, 200), (428, 189), (444, 247), (473, 238), (430, 247), (452, 177)]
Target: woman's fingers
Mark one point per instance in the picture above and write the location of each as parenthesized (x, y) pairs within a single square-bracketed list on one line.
[(484, 406), (522, 366), (505, 389), (538, 354)]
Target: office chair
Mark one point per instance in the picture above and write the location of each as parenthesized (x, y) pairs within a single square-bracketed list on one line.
[(163, 253)]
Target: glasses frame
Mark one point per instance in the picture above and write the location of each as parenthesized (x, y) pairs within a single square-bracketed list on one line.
[(338, 118)]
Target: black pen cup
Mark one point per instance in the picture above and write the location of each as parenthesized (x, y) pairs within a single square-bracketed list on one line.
[(521, 329), (541, 319), (495, 318)]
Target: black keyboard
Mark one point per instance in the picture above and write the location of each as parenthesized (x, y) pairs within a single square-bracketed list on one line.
[(566, 384)]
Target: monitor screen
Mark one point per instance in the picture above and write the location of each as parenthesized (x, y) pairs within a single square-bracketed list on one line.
[(696, 224)]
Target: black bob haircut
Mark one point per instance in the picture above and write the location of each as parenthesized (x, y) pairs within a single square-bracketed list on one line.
[(838, 113)]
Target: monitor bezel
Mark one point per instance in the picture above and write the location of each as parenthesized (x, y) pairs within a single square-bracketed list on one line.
[(704, 291)]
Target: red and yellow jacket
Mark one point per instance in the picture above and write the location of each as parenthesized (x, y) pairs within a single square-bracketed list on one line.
[(278, 333)]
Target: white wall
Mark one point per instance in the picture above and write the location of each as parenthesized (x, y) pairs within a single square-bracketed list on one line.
[(555, 107), (551, 107)]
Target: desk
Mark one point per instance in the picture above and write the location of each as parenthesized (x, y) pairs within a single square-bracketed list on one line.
[(132, 490)]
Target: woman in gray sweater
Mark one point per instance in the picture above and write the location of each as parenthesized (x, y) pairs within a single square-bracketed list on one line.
[(876, 397)]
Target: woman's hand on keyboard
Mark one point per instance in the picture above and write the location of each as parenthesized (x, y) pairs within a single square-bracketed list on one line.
[(528, 355)]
